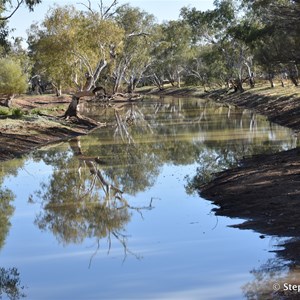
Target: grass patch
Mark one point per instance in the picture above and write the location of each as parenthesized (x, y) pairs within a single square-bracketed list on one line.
[(4, 111), (17, 112), (36, 111)]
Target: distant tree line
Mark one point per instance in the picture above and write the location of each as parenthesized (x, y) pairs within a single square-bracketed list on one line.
[(120, 47)]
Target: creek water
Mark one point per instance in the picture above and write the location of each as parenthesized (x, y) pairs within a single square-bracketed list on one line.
[(117, 214)]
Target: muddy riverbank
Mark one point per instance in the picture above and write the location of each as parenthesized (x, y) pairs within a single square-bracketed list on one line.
[(35, 122)]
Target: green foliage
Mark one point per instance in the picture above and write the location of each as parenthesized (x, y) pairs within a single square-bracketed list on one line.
[(12, 79), (9, 6), (171, 51), (10, 284), (36, 111), (79, 49), (31, 3), (4, 111), (74, 211), (72, 46), (7, 10), (133, 61), (6, 210), (4, 45), (17, 112)]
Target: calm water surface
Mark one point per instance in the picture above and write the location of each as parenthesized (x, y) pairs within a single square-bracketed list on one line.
[(115, 215)]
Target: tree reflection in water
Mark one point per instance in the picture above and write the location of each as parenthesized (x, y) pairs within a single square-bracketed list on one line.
[(80, 202), (6, 211), (273, 280), (10, 283), (84, 198)]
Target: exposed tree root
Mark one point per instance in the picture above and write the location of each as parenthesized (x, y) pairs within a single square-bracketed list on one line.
[(80, 120)]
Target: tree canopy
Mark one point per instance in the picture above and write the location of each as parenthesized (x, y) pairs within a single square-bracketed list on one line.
[(119, 47), (12, 79), (7, 9)]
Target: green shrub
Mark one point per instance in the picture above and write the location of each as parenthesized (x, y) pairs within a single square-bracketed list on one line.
[(4, 111), (35, 111), (12, 79), (17, 112)]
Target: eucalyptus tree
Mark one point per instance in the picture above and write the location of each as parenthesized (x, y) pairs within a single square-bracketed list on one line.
[(10, 284), (277, 41), (171, 52), (6, 211), (155, 72), (217, 27), (206, 67), (4, 45), (7, 197), (9, 7), (75, 47), (78, 203), (12, 79), (135, 59), (83, 199)]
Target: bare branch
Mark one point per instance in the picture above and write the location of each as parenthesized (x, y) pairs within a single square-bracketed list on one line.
[(101, 7), (94, 254), (19, 2), (84, 60), (88, 7), (123, 240), (106, 14), (138, 34)]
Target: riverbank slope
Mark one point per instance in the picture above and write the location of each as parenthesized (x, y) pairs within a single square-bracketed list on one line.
[(280, 104), (34, 122)]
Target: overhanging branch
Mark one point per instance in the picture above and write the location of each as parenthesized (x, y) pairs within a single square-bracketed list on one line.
[(19, 2)]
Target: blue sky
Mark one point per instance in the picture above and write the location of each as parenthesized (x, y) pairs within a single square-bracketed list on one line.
[(162, 9)]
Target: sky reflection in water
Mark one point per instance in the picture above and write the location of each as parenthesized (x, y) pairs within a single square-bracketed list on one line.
[(158, 239)]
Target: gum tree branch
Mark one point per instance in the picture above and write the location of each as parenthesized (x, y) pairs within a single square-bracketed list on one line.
[(19, 2)]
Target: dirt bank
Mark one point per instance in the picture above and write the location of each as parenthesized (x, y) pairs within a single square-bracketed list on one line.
[(28, 129), (265, 189)]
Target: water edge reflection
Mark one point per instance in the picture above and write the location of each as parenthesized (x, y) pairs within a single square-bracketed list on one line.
[(98, 185)]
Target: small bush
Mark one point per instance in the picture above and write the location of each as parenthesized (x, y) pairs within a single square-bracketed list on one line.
[(17, 112), (35, 111), (12, 79), (4, 111)]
